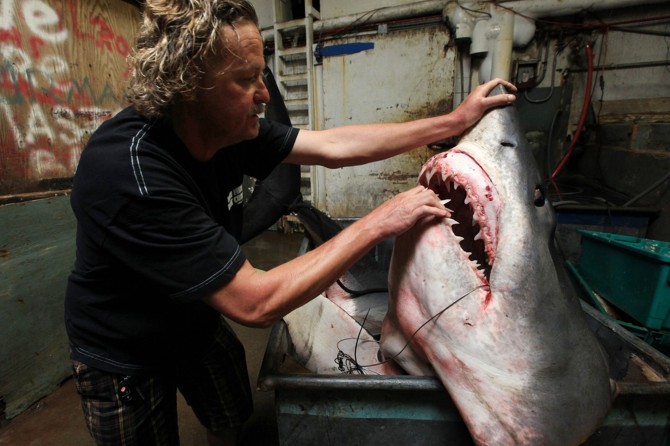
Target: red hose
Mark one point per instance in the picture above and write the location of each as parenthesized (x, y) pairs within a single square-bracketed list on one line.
[(582, 118)]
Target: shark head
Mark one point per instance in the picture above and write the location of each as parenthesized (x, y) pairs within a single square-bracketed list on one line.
[(498, 211), (481, 299)]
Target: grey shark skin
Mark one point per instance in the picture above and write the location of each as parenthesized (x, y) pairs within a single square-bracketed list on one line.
[(512, 347)]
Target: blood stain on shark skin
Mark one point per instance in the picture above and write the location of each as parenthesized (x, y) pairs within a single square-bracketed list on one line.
[(511, 344), (478, 299)]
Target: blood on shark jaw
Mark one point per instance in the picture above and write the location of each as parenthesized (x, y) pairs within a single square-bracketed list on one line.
[(473, 205)]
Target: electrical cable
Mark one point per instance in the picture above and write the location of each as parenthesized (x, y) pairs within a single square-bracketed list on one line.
[(550, 139), (355, 293), (341, 356), (551, 90), (582, 118), (460, 60), (647, 190), (473, 11), (582, 25)]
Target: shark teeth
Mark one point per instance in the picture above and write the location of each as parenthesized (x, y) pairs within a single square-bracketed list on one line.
[(428, 175), (462, 188), (476, 265), (444, 203)]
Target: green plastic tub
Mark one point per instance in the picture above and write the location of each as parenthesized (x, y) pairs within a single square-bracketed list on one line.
[(631, 273)]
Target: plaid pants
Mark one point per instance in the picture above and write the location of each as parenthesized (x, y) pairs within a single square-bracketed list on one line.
[(141, 410)]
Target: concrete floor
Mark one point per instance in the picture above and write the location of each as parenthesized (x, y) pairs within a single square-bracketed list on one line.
[(57, 420)]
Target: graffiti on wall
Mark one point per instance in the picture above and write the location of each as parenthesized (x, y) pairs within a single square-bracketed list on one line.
[(62, 73)]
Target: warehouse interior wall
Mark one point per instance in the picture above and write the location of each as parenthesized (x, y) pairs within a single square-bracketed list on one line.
[(63, 73), (63, 70), (621, 147)]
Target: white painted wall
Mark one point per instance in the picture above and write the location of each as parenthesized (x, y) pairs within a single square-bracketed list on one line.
[(635, 83), (339, 8), (408, 75), (618, 48), (265, 12)]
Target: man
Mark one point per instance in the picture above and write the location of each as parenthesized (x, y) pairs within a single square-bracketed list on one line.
[(157, 195)]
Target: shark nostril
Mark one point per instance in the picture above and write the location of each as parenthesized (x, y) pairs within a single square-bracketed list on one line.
[(539, 198), (507, 144)]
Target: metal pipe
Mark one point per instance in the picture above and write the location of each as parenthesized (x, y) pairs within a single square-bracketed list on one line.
[(624, 66), (418, 9), (648, 190), (274, 381), (496, 47), (502, 47), (566, 7)]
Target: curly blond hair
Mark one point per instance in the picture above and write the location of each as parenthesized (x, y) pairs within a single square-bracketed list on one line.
[(172, 47)]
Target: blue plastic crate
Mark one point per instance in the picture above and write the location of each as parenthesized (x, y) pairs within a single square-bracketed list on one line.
[(632, 273)]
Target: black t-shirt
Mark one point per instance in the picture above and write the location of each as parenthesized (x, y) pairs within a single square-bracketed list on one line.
[(156, 233)]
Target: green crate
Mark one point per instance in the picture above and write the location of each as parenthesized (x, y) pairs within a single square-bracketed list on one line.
[(632, 273), (659, 339)]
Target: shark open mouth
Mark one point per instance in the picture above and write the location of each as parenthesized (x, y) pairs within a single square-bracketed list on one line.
[(473, 205)]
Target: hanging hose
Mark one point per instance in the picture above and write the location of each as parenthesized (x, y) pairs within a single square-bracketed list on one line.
[(647, 190), (582, 118)]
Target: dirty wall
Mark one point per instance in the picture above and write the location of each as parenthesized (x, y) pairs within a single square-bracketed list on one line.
[(411, 73), (403, 75), (62, 73), (62, 70)]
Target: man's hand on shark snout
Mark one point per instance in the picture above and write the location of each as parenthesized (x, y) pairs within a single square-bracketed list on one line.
[(477, 102), (500, 99)]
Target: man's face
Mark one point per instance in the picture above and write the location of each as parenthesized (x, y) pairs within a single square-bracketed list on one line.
[(232, 92)]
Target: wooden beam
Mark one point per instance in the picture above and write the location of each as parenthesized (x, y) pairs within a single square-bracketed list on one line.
[(634, 110)]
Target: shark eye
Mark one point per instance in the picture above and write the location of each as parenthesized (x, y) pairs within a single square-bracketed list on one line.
[(538, 198)]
